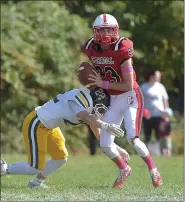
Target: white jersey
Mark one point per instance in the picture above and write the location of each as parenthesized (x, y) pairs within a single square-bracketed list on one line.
[(154, 96), (62, 110)]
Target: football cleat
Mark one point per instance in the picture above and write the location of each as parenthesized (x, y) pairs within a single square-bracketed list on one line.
[(122, 176), (4, 167), (125, 155), (156, 177), (37, 185)]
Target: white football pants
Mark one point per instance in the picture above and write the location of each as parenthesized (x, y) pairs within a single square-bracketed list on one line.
[(127, 106)]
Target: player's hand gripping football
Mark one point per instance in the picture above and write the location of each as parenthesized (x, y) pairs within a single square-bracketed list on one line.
[(113, 129), (97, 80)]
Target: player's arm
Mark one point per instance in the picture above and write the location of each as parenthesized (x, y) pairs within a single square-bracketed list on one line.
[(94, 122), (127, 52), (166, 104), (80, 109), (165, 98), (167, 111), (128, 79), (90, 119), (96, 132)]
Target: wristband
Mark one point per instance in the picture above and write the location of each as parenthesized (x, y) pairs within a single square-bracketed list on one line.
[(104, 125), (106, 84), (126, 69)]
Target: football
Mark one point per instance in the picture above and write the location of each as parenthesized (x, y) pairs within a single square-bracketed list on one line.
[(84, 70), (3, 166)]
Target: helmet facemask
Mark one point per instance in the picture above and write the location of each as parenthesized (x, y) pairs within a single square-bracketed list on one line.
[(101, 101), (99, 110), (106, 35)]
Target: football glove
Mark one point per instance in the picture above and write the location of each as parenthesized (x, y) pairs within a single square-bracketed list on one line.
[(113, 129)]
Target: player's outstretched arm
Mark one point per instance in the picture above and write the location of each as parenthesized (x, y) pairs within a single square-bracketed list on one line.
[(96, 132), (90, 119), (93, 121), (127, 83)]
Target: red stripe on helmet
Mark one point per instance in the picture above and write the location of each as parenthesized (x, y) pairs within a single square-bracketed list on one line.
[(104, 18)]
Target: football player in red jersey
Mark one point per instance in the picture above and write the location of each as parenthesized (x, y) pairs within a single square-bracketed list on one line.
[(112, 57)]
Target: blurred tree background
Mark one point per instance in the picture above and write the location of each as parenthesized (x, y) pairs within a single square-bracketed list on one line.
[(41, 49)]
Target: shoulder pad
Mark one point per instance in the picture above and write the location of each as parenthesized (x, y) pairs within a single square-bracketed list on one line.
[(88, 43), (119, 43), (125, 46), (84, 98)]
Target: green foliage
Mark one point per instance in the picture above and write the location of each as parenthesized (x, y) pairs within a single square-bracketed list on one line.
[(178, 136), (159, 34), (41, 48), (40, 54)]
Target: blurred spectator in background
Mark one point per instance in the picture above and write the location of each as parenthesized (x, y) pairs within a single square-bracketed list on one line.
[(157, 112), (92, 142)]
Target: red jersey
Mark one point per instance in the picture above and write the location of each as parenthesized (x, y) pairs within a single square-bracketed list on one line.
[(108, 63)]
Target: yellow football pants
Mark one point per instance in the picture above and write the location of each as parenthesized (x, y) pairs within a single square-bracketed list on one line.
[(40, 140)]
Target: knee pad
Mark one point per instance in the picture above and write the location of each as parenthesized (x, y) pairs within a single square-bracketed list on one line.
[(139, 146), (110, 151)]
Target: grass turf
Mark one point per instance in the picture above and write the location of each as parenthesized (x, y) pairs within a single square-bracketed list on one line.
[(86, 178)]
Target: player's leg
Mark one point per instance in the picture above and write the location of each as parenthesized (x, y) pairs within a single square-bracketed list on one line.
[(107, 140), (166, 146), (163, 130), (147, 129), (156, 123), (21, 168), (113, 115), (36, 158), (123, 153), (132, 121), (58, 152)]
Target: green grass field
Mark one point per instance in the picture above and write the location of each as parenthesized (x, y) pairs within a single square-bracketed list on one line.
[(86, 178)]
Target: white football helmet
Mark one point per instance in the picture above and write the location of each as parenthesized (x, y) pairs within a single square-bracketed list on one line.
[(101, 101), (105, 29)]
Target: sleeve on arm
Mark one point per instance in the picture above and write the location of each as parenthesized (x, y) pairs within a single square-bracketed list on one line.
[(75, 107), (126, 49), (85, 46)]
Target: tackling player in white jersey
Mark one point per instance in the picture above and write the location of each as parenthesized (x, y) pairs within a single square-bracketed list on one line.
[(42, 134)]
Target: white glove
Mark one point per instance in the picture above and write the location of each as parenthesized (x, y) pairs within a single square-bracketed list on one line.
[(113, 129)]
